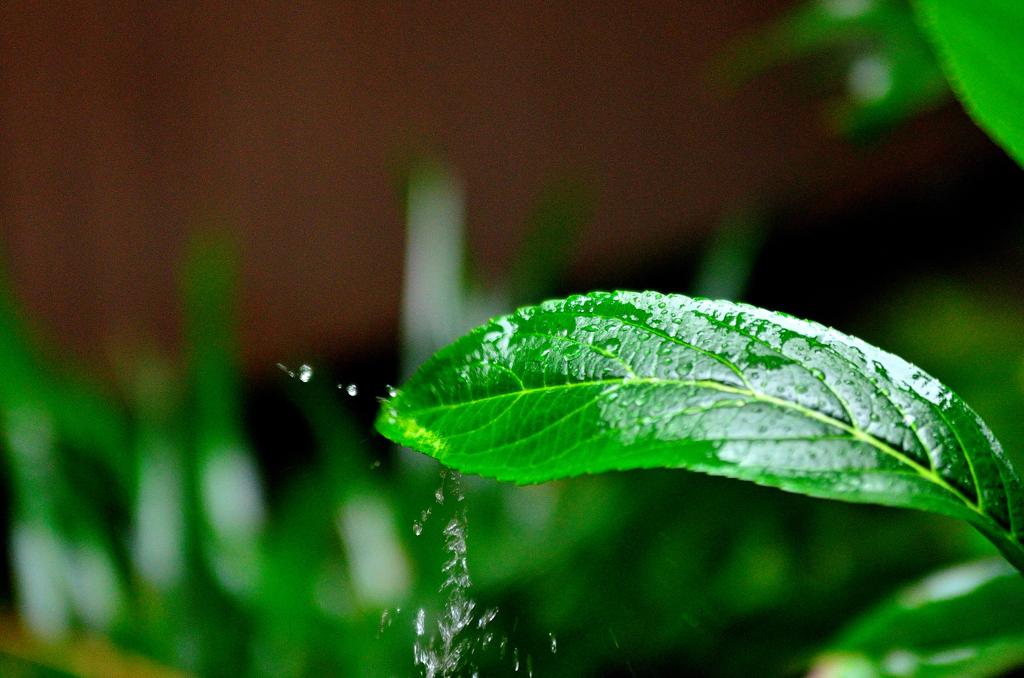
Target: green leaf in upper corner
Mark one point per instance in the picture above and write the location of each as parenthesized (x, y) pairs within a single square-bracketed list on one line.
[(615, 381), (980, 44), (965, 621)]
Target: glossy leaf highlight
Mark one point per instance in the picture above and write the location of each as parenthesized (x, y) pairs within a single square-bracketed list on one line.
[(625, 380), (966, 620)]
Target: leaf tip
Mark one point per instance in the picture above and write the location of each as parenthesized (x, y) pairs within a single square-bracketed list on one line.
[(406, 431)]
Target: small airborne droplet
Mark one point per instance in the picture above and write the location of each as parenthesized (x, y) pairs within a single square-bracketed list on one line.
[(554, 643), (391, 391), (417, 529), (284, 369), (351, 389), (305, 373), (515, 657)]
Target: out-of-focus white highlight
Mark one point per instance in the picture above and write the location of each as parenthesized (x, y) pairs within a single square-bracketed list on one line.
[(378, 565), (39, 563), (870, 78), (233, 501), (232, 496), (94, 586), (956, 582), (846, 9), (432, 295), (159, 530)]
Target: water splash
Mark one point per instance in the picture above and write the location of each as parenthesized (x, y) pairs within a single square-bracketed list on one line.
[(444, 653), (421, 622)]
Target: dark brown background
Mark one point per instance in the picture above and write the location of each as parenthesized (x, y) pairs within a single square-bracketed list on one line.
[(120, 123)]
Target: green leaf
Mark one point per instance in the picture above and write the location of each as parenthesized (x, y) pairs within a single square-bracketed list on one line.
[(979, 43), (614, 381), (962, 621)]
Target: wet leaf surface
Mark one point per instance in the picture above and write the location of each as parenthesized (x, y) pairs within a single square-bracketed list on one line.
[(615, 381)]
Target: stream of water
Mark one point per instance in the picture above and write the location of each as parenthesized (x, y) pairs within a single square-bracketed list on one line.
[(452, 645), (443, 654)]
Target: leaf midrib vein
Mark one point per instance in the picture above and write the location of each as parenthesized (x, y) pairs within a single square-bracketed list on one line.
[(857, 433), (932, 473)]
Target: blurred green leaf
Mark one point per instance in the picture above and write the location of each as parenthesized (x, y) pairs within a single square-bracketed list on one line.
[(980, 44), (638, 380), (887, 68), (965, 622), (209, 282), (13, 667), (553, 228)]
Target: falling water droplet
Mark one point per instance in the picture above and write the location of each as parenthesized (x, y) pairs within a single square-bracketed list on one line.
[(385, 622), (502, 648), (487, 617), (305, 373), (439, 494), (515, 657), (375, 464), (391, 391), (352, 390), (285, 370), (554, 643), (417, 529), (529, 665)]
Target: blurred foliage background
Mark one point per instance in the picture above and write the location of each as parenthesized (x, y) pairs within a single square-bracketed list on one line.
[(178, 517)]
